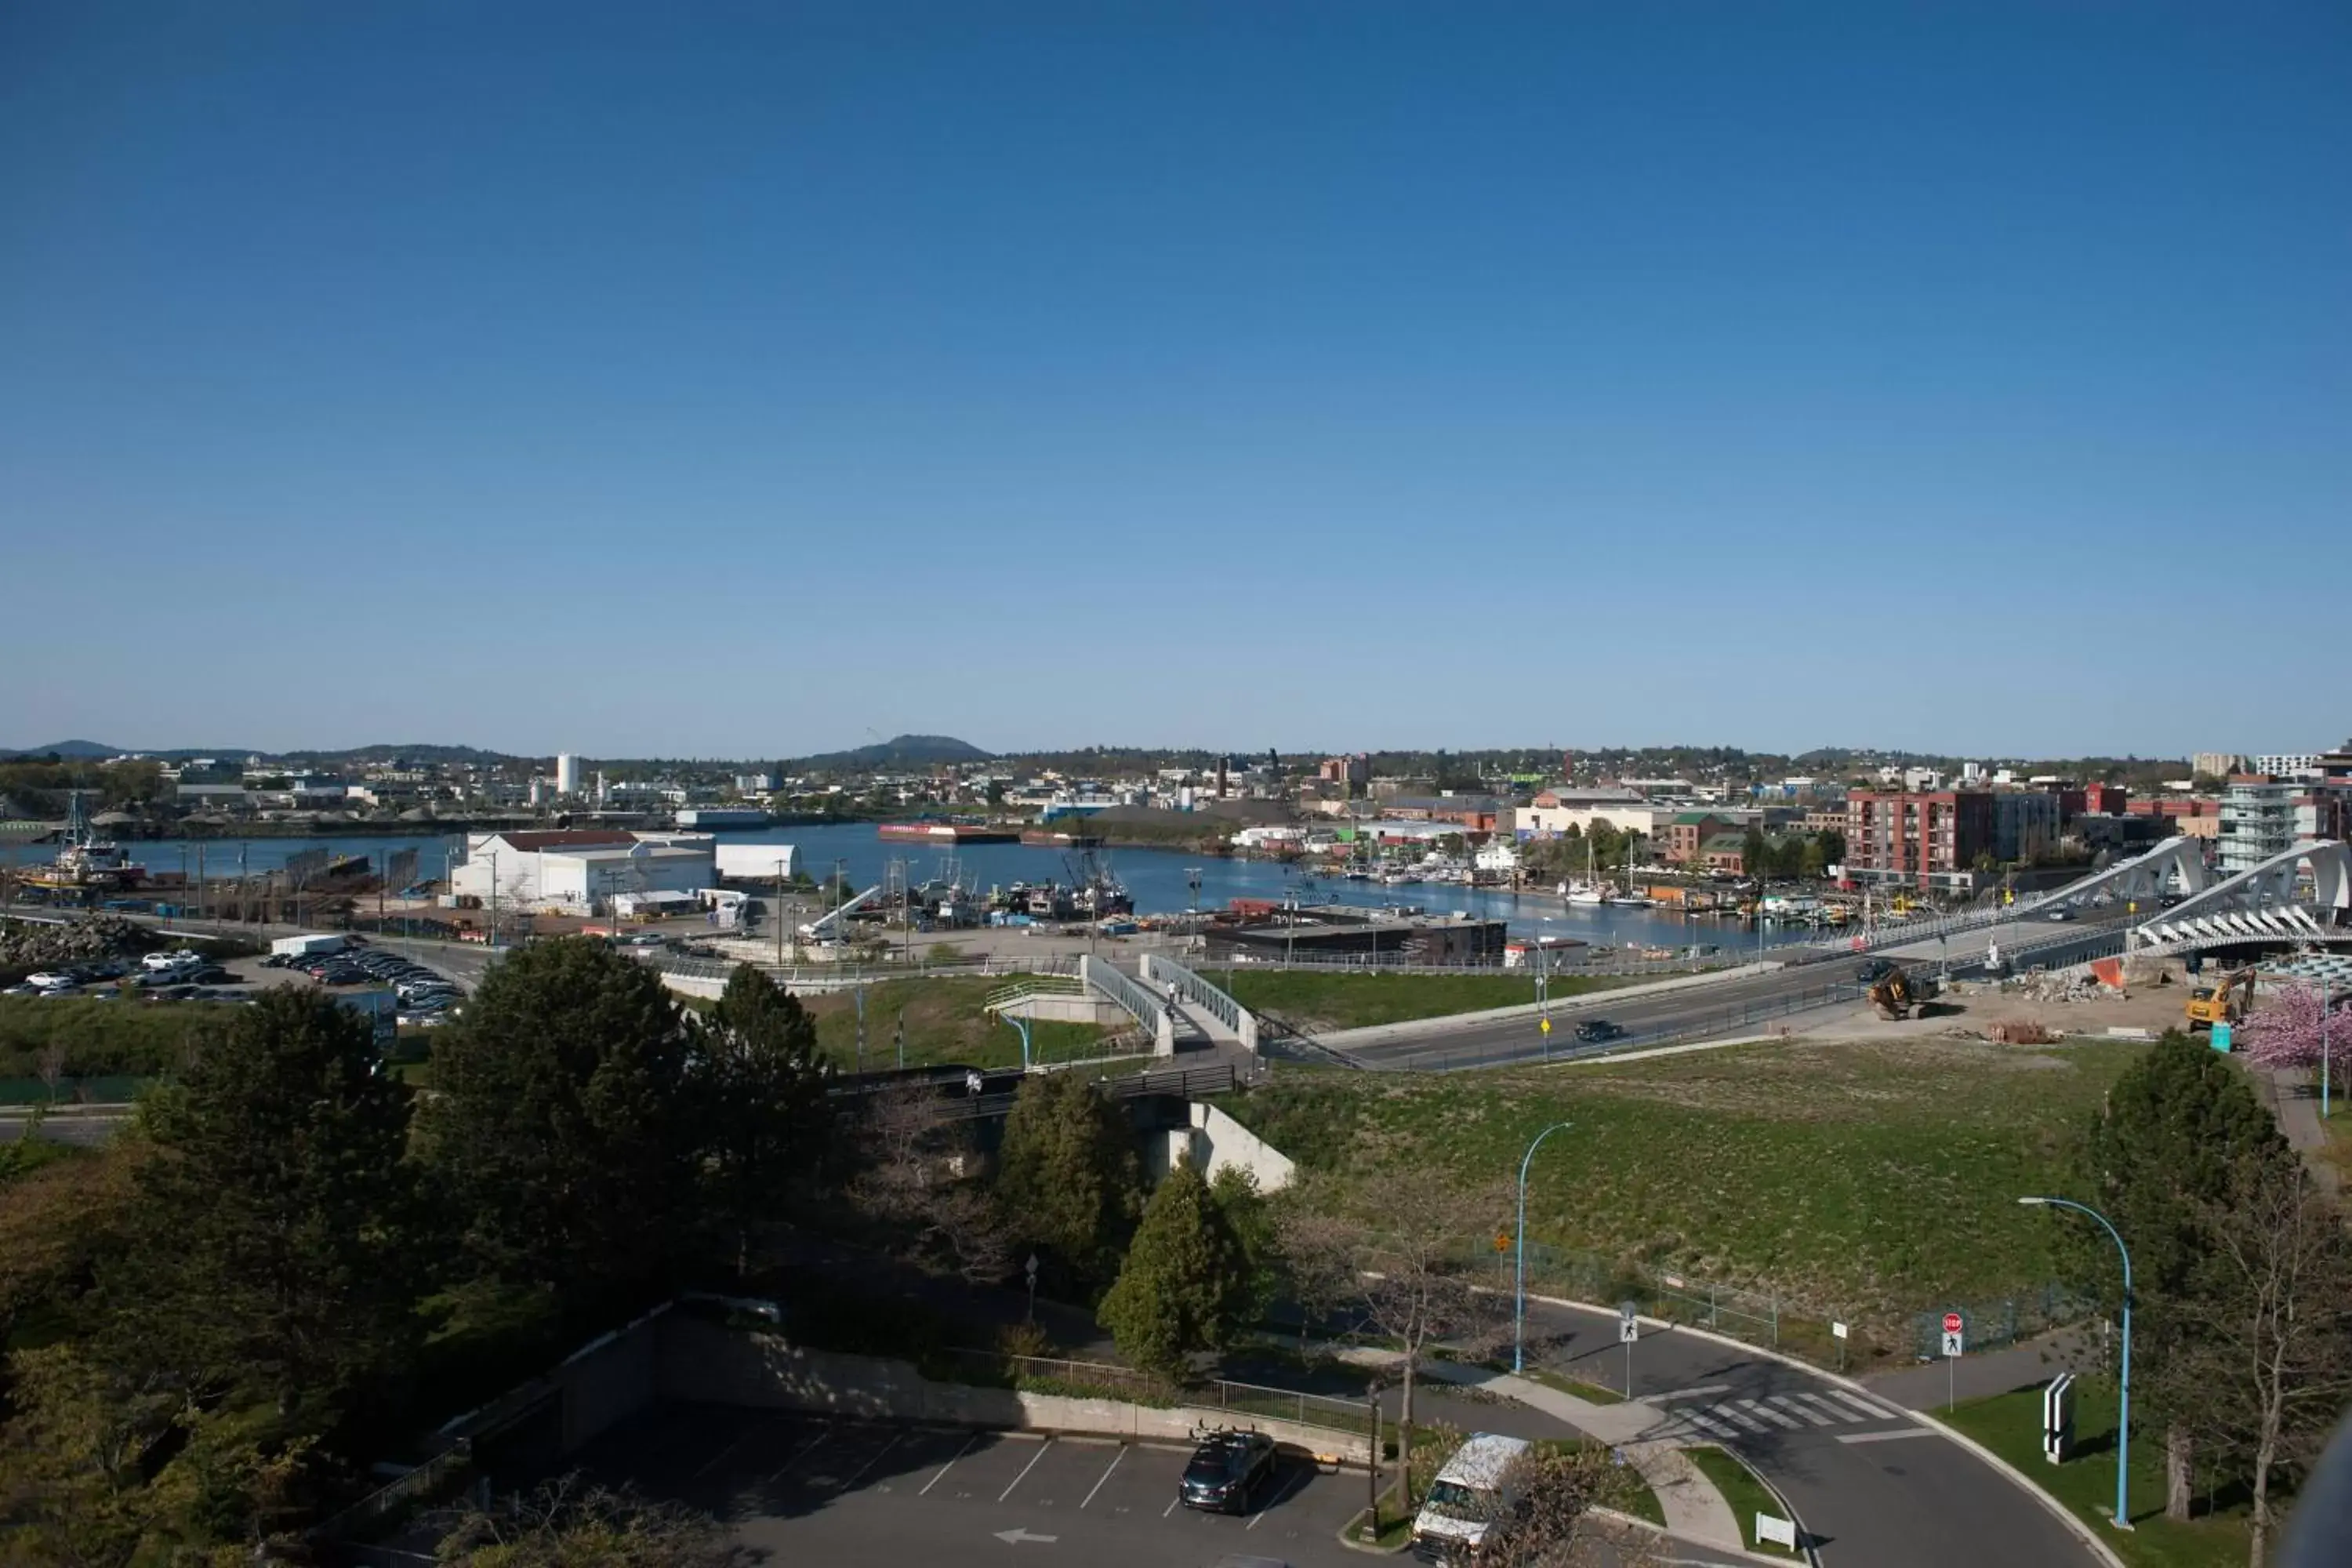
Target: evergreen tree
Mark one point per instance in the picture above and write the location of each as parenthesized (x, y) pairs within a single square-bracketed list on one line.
[(2181, 1133), (762, 1084), (274, 1232), (1251, 1219), (1066, 1172), (560, 1130), (1186, 1284)]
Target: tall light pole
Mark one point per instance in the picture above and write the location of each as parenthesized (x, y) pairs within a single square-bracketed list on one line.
[(1520, 1291), (2325, 1107), (2123, 1402)]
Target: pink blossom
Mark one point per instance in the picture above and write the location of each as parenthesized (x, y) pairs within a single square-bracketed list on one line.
[(2283, 1030)]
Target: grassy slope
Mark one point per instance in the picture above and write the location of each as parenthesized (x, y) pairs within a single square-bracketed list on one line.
[(1748, 1496), (1321, 1001), (945, 1023), (1861, 1178), (2011, 1425)]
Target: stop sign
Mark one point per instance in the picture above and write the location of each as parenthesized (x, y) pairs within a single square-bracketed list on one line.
[(1951, 1322)]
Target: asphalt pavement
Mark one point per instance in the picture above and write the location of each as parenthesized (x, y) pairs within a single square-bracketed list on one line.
[(1870, 1483)]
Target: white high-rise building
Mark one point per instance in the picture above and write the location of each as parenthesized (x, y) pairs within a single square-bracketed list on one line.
[(567, 774)]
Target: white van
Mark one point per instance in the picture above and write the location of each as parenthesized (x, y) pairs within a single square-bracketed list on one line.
[(1472, 1498)]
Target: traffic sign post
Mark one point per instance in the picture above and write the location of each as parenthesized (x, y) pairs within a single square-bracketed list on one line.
[(1545, 1025), (1955, 1330), (1629, 1329), (1838, 1333)]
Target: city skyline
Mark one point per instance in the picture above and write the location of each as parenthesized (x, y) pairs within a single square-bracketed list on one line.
[(654, 382)]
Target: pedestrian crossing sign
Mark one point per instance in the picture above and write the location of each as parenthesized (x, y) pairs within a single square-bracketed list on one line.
[(1545, 1025)]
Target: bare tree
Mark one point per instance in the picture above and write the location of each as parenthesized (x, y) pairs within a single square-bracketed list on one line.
[(920, 1173), (1415, 1285), (1316, 1249), (569, 1523), (2272, 1351), (51, 1066)]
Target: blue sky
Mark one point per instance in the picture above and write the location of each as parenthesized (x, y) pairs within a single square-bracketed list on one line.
[(733, 379)]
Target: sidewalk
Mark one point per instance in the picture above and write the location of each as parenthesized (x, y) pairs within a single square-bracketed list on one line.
[(1695, 1511), (2293, 1094), (1929, 1385)]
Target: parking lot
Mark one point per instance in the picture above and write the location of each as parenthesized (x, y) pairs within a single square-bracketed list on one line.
[(808, 1488)]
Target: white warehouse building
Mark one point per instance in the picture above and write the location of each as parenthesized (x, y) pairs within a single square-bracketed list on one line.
[(582, 870)]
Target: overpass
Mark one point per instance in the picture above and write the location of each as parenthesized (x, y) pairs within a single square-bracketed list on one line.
[(2262, 903)]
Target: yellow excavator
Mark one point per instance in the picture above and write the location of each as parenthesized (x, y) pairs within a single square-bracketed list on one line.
[(2227, 1002), (1896, 993)]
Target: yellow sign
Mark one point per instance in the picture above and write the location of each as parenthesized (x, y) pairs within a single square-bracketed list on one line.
[(1502, 1242), (1545, 1025)]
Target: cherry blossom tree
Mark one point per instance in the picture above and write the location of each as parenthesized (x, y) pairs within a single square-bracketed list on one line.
[(2285, 1031)]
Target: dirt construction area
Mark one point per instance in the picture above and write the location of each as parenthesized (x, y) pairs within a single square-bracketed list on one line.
[(1976, 1008)]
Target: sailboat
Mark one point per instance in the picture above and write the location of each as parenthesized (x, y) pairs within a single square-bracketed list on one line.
[(1587, 892)]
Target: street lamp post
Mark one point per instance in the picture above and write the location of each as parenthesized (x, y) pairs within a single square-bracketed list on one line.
[(2123, 1402), (1519, 1290)]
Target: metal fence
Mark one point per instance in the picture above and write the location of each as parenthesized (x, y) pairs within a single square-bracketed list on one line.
[(432, 1480), (1104, 1380), (1990, 1325)]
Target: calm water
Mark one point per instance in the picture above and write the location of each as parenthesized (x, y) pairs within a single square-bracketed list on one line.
[(1159, 879)]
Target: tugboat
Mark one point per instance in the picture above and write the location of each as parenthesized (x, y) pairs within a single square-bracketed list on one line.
[(84, 860)]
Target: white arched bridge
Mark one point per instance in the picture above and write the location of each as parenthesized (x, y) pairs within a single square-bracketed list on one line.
[(2262, 903)]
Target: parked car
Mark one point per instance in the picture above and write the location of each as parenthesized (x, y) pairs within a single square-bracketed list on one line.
[(52, 980), (159, 963), (1226, 1470)]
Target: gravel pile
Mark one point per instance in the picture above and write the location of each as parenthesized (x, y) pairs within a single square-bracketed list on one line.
[(29, 944)]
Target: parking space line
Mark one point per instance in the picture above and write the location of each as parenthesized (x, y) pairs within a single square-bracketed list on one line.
[(1100, 1479), (1026, 1469), (796, 1458), (1170, 1509), (706, 1465), (869, 1464), (1280, 1498), (958, 1454)]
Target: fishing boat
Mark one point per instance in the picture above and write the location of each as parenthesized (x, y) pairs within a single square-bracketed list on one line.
[(84, 860)]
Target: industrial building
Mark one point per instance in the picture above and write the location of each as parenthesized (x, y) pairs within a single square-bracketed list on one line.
[(582, 870), (1262, 930)]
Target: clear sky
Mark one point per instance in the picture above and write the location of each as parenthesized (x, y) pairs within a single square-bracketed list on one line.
[(731, 379)]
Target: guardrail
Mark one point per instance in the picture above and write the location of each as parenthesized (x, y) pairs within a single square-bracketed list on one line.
[(1217, 1004), (1107, 1380), (1141, 1004)]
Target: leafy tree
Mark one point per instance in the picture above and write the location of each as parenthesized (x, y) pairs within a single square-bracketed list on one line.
[(1186, 1284), (273, 1240), (2286, 1030), (1755, 854), (560, 1128), (1250, 1216), (1067, 1175), (2179, 1133), (761, 1086)]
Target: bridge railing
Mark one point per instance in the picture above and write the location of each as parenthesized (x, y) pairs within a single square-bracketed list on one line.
[(1141, 1004), (1219, 1004)]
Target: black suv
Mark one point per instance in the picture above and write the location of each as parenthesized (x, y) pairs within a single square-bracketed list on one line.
[(1873, 970), (1226, 1470), (1592, 1031)]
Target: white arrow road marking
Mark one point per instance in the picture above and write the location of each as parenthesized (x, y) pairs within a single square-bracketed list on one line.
[(1883, 1436), (1016, 1535), (1026, 1469)]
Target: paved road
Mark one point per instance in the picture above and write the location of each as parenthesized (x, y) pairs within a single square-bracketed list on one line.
[(1872, 1485)]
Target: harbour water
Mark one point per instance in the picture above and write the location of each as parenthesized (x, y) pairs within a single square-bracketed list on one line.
[(1160, 879)]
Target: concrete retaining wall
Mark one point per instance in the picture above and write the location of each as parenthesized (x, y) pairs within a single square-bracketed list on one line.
[(1088, 1009), (705, 1362)]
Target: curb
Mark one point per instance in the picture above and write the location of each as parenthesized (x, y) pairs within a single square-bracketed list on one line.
[(2007, 1471), (1566, 1007)]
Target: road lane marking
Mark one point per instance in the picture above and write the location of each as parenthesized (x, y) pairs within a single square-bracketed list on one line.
[(1706, 1423), (1769, 1414), (958, 1454), (1837, 1412), (1788, 1402), (1280, 1498), (1883, 1436), (1026, 1469), (869, 1464), (1728, 1413), (1877, 1412), (1685, 1393), (1115, 1458)]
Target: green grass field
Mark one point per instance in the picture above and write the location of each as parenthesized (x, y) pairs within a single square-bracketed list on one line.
[(2011, 1425), (1748, 1496), (1862, 1180), (946, 1021), (1317, 1003)]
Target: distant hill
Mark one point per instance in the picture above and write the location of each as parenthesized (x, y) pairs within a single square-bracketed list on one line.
[(70, 749), (903, 751)]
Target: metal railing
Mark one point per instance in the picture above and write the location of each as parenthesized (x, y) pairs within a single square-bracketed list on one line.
[(426, 1481), (1193, 988), (1716, 1021), (1102, 1379), (1140, 1005), (1022, 990)]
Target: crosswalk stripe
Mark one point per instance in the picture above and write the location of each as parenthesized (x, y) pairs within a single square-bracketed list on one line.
[(1835, 1412), (1876, 1411), (1787, 1402), (1769, 1414), (1728, 1413), (1706, 1424)]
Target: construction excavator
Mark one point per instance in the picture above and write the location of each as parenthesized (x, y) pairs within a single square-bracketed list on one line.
[(2227, 1002), (1897, 993)]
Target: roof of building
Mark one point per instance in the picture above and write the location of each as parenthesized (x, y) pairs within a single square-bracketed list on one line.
[(568, 837), (1691, 818), (1725, 843)]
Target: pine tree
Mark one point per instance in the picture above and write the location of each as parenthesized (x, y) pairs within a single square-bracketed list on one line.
[(1186, 1284), (762, 1087), (561, 1132), (1068, 1179), (274, 1229)]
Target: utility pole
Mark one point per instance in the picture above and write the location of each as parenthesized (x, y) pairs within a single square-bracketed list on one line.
[(777, 910)]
